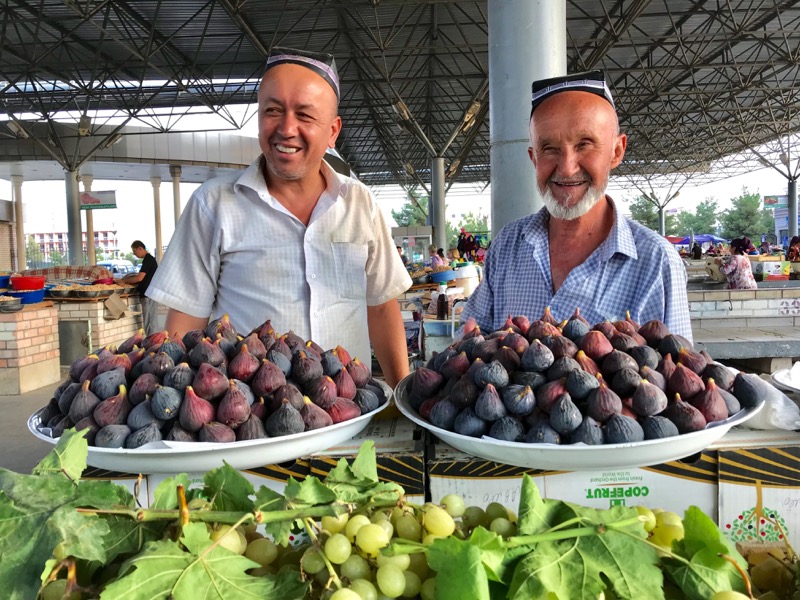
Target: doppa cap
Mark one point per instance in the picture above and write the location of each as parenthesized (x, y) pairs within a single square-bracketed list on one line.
[(321, 63), (593, 82)]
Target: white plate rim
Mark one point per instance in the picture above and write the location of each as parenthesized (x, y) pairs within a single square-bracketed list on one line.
[(776, 379)]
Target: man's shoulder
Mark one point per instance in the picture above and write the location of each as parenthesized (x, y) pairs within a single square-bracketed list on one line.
[(517, 229)]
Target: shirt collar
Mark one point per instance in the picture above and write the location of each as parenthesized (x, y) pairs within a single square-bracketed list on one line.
[(336, 185)]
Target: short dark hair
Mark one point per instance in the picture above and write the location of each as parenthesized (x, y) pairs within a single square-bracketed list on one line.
[(138, 244)]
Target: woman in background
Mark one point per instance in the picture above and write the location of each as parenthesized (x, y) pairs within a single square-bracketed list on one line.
[(736, 266), (793, 254), (436, 260)]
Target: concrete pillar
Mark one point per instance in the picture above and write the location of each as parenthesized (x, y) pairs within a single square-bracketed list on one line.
[(156, 181), (437, 203), (90, 251), (527, 41), (175, 173), (73, 218), (16, 193), (792, 208)]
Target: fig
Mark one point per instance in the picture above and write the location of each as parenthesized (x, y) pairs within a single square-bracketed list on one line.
[(576, 327), (564, 415), (620, 429), (112, 436), (443, 415), (286, 420), (507, 429), (266, 334), (67, 396), (510, 326), (294, 341), (216, 433), (489, 406), (587, 364), (560, 345), (313, 416), (178, 377), (692, 360), (191, 338), (209, 382), (221, 326), (467, 345), (331, 364), (653, 332), (154, 339), (141, 416), (135, 340), (710, 403), (426, 382), (49, 411), (522, 323), (143, 386), (457, 365), (206, 353), (343, 409), (623, 342), (596, 345), (494, 373), (91, 427), (721, 375), (672, 344), (165, 402), (79, 364), (179, 434), (547, 395), (579, 383), (321, 390), (666, 367), (267, 379), (532, 379), (685, 416), (464, 393), (518, 400), (286, 392), (140, 437), (537, 357), (366, 400), (254, 346), (730, 401), (547, 317), (541, 433), (562, 367), (113, 411), (195, 411), (625, 327), (279, 360), (157, 364), (174, 349), (251, 429), (61, 423), (227, 347), (114, 361), (281, 346), (107, 384), (244, 365), (606, 328), (306, 368), (540, 329), (625, 381), (90, 372), (588, 432), (656, 428), (83, 403), (516, 342), (506, 357), (487, 349), (645, 356), (314, 347), (750, 389), (603, 403), (135, 356), (685, 382), (468, 423), (648, 399), (234, 408)]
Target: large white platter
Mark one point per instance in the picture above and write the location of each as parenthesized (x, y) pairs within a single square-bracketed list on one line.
[(194, 457), (576, 457)]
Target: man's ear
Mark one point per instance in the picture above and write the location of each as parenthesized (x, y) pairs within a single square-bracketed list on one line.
[(620, 143)]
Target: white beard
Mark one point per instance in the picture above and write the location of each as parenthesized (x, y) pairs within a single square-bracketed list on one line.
[(570, 213)]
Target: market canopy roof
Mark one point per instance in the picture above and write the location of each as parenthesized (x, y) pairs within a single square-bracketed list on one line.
[(700, 238), (694, 80)]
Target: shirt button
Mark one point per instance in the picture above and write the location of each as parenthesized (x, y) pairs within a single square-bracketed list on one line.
[(313, 276)]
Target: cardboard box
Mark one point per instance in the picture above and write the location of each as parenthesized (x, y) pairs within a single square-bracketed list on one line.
[(399, 449)]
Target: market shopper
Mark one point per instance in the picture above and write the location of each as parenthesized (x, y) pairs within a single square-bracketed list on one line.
[(289, 239), (736, 266), (436, 259), (793, 253), (142, 280), (579, 251)]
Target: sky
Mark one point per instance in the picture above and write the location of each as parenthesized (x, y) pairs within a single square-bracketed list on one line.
[(45, 202)]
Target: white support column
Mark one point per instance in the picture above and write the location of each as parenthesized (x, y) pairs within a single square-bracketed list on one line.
[(527, 41), (73, 218), (90, 248), (436, 207), (19, 219), (156, 181), (175, 173)]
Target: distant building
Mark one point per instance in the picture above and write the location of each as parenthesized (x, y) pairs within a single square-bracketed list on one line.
[(59, 242)]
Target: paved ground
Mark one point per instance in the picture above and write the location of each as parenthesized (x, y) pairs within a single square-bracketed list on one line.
[(20, 451)]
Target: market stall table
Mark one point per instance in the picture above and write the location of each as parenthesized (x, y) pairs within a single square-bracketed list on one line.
[(29, 353)]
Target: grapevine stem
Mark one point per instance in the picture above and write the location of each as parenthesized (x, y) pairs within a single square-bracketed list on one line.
[(182, 507), (551, 536), (218, 516), (332, 576), (741, 572)]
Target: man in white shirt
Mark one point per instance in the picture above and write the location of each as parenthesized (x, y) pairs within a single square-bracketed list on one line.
[(289, 239)]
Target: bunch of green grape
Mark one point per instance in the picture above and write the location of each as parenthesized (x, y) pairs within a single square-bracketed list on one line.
[(664, 527)]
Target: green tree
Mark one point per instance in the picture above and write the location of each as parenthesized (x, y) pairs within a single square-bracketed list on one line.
[(33, 253), (702, 220), (746, 218), (469, 222), (643, 211), (132, 257), (57, 258), (413, 212), (98, 254)]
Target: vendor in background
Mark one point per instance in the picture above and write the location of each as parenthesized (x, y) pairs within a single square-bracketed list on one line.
[(697, 251), (142, 280), (289, 239), (436, 259), (793, 253), (736, 266), (403, 257), (765, 247)]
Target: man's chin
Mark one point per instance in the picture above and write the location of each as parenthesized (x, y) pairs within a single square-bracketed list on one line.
[(558, 210)]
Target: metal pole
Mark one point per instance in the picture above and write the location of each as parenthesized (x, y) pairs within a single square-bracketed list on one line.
[(74, 233), (527, 41), (662, 220), (156, 181), (792, 208), (437, 207), (16, 182), (175, 173), (90, 247)]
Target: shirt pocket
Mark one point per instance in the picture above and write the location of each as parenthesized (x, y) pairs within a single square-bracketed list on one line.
[(351, 263)]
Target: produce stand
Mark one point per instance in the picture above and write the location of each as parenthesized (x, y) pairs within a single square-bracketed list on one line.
[(29, 355)]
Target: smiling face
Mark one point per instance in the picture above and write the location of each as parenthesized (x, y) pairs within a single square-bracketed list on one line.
[(297, 121), (574, 145)]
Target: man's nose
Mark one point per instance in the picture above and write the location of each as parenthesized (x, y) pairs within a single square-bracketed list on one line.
[(287, 126), (568, 162)]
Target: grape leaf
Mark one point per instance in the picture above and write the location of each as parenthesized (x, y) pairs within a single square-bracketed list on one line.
[(365, 465), (165, 570), (268, 500), (166, 495), (492, 552), (68, 457), (228, 489), (707, 572), (128, 536), (459, 571), (311, 491), (536, 515), (358, 482)]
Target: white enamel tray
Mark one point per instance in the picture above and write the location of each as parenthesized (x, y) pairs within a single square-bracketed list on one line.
[(576, 457)]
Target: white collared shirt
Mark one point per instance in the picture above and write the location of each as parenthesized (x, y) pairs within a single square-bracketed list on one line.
[(237, 250)]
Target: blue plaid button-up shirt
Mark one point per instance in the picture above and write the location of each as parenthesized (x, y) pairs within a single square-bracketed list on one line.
[(634, 269)]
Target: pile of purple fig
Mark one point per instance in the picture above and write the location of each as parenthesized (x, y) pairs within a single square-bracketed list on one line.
[(569, 382), (211, 385)]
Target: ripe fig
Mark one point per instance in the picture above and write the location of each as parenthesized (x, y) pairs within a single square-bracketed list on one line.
[(366, 401), (443, 415), (140, 437), (710, 403), (191, 338), (547, 395), (174, 349), (359, 372), (228, 347), (507, 429), (79, 364), (266, 334), (731, 401), (233, 409), (315, 348), (426, 382), (251, 429), (206, 352), (560, 345), (114, 361), (672, 345), (522, 322), (464, 393), (259, 408), (518, 400), (540, 329), (656, 428), (532, 379), (467, 345), (666, 367), (157, 364), (468, 423), (223, 327), (143, 386), (214, 432), (685, 416), (83, 403), (179, 434), (606, 328), (166, 402), (331, 364), (114, 410), (620, 429), (721, 374), (489, 406), (564, 415), (537, 357), (286, 420), (135, 356), (623, 342), (286, 392), (487, 349), (254, 346), (541, 433), (178, 377), (625, 327), (625, 381), (750, 389), (154, 339), (141, 416), (112, 436), (209, 382), (562, 367), (516, 342), (645, 356), (685, 382), (90, 372), (321, 390), (457, 365), (692, 360), (587, 364), (547, 317), (61, 423), (494, 373), (195, 411), (244, 365), (107, 384), (279, 360), (306, 368), (603, 403), (648, 400), (135, 340), (67, 396), (588, 432), (596, 345), (313, 416), (91, 427), (653, 332), (510, 326), (506, 357), (579, 383), (343, 409)]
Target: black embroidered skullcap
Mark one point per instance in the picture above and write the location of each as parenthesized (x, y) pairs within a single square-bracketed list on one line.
[(593, 82), (321, 63)]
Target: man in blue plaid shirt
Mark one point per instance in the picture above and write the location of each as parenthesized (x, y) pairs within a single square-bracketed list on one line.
[(579, 251)]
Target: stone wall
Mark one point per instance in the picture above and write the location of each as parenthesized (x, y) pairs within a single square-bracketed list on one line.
[(105, 329), (29, 355)]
